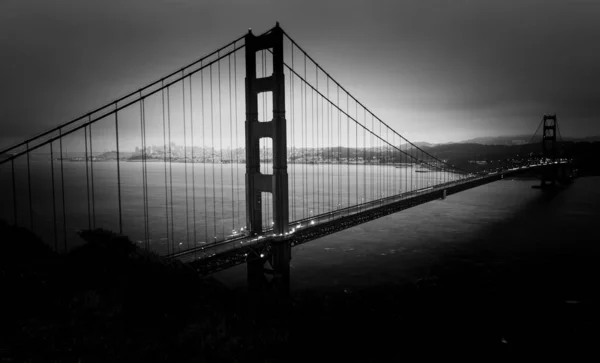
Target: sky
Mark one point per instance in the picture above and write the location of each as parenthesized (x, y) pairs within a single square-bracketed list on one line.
[(436, 71)]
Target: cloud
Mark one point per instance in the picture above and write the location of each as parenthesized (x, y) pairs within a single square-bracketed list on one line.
[(500, 63)]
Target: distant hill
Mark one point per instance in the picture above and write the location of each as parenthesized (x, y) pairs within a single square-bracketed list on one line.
[(424, 144), (520, 140), (586, 152), (498, 140), (586, 139)]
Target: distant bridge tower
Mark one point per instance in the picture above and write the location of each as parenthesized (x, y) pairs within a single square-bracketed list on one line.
[(561, 172), (256, 182), (549, 137)]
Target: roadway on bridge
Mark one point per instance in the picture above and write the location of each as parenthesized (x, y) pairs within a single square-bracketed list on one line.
[(212, 250)]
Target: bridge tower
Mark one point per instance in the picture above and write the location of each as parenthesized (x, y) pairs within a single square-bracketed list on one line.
[(549, 137), (549, 149), (555, 172), (279, 255)]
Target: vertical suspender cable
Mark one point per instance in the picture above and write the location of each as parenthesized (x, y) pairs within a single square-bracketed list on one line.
[(221, 152), (92, 176), (310, 150), (237, 169), (145, 160), (395, 154), (204, 156), (170, 168), (379, 168), (165, 165), (412, 169), (364, 157), (317, 149), (381, 165), (14, 189), (143, 171), (329, 157), (53, 198), (292, 117), (348, 152), (118, 168), (29, 190), (312, 131), (303, 133), (340, 150), (324, 145), (386, 167), (212, 129), (405, 158), (231, 150), (62, 183), (87, 179), (185, 175), (193, 165), (384, 181), (372, 150)]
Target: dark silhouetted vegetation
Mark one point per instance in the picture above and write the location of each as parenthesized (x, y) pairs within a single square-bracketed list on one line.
[(110, 301)]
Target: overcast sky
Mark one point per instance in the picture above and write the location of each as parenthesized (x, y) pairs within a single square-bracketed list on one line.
[(436, 71)]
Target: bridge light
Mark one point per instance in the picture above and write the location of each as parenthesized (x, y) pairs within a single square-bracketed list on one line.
[(261, 255), (312, 222)]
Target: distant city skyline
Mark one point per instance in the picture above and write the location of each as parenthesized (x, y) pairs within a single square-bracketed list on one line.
[(159, 147)]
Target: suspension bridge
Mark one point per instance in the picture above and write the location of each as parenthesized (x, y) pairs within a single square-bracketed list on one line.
[(172, 165)]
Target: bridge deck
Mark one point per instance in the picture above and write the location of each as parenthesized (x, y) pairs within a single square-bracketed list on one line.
[(211, 258)]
